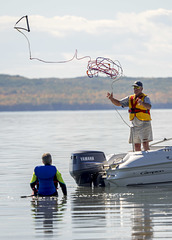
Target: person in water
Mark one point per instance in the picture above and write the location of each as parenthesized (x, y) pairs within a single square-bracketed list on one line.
[(139, 113), (45, 178)]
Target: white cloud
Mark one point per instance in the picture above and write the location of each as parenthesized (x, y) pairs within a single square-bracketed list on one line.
[(6, 23), (147, 28), (133, 38), (148, 23), (125, 21)]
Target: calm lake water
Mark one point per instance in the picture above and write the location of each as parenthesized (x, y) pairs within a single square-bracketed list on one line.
[(118, 213)]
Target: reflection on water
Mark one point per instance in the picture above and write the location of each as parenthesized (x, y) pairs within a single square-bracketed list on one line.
[(141, 223), (106, 214), (47, 212), (121, 213)]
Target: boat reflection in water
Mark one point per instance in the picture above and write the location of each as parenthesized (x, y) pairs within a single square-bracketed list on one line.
[(121, 213), (48, 213)]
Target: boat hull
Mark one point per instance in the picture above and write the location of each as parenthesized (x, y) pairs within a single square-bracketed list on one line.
[(142, 168), (139, 177)]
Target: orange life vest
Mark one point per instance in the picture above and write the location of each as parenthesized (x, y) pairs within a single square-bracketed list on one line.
[(136, 110)]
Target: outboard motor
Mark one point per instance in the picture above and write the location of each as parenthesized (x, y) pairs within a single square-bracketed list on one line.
[(86, 167)]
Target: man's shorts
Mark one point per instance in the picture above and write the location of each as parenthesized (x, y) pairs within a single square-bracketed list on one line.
[(141, 133)]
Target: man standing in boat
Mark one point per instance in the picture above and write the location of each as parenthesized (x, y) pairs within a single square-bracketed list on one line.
[(45, 178), (139, 113)]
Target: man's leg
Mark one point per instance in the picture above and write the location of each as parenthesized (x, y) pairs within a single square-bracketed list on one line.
[(137, 146), (146, 146)]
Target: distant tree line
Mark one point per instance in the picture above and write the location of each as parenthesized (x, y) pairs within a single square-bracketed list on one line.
[(82, 93)]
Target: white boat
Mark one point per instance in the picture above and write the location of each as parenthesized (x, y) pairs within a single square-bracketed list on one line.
[(128, 169), (140, 168)]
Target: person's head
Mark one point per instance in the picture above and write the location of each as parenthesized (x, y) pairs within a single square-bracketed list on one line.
[(138, 87), (47, 159)]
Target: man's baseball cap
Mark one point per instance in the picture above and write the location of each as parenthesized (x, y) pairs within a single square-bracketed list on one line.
[(137, 84)]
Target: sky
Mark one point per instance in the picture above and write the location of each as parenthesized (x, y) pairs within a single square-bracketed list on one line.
[(136, 33)]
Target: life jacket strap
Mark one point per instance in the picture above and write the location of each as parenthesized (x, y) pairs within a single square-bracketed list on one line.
[(136, 110)]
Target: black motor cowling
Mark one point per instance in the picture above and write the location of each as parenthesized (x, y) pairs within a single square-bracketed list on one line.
[(86, 167)]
